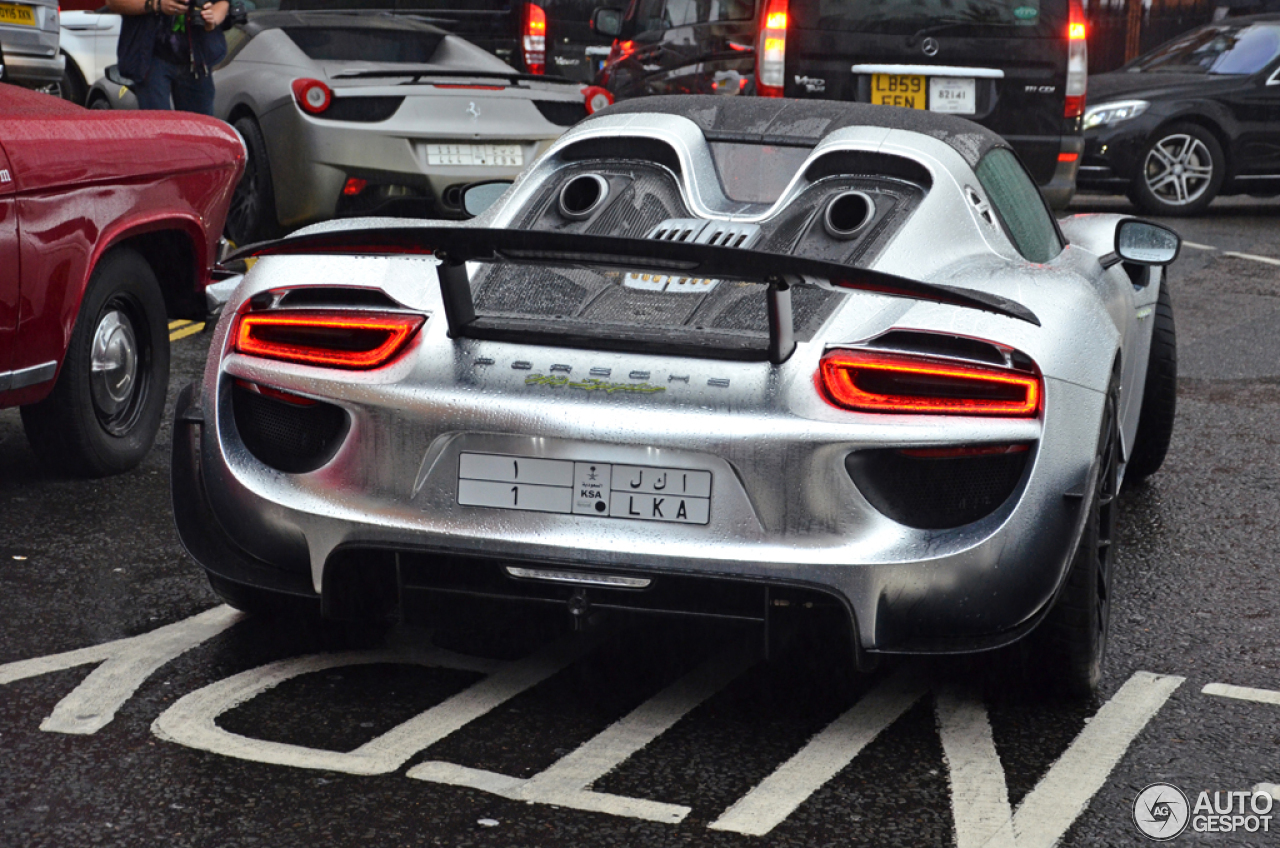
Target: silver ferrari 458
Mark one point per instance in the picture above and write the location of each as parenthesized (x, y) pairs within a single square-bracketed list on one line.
[(734, 358), (358, 114)]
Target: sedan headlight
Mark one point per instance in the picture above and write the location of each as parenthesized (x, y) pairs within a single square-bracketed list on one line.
[(1113, 113)]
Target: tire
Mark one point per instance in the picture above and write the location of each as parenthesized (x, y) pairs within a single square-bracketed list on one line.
[(100, 422), (1159, 396), (252, 216), (1071, 643), (1182, 169), (99, 102), (74, 88)]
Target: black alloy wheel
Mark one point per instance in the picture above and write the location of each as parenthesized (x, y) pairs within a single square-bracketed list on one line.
[(104, 411), (252, 216), (1182, 170), (1071, 643)]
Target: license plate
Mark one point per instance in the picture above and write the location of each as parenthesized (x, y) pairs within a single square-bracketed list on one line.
[(953, 95), (11, 13), (484, 155), (899, 90), (569, 487)]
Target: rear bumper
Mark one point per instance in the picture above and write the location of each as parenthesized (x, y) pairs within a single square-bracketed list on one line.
[(33, 71)]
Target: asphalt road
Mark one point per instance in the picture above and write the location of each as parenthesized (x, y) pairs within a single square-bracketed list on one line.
[(134, 710)]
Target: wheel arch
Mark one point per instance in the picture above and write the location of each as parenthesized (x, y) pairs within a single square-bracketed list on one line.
[(176, 250)]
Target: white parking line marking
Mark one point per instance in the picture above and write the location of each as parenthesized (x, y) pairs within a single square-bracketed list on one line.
[(565, 782), (979, 792), (1066, 789), (1242, 693), (128, 662), (191, 720), (1252, 257), (777, 796)]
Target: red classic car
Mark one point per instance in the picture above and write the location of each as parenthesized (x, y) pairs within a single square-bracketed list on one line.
[(109, 226)]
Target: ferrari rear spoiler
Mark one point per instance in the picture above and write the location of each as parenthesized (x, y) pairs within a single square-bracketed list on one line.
[(456, 245)]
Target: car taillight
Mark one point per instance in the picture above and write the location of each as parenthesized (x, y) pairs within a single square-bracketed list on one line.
[(535, 39), (771, 50), (872, 381), (596, 98), (354, 340), (312, 95), (1077, 62)]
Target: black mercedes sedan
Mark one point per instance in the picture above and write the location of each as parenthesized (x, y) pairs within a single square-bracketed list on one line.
[(1197, 117)]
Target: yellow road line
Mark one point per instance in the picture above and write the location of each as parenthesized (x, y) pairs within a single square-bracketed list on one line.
[(186, 331), (173, 325)]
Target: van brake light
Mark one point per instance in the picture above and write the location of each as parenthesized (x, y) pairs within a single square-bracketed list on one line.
[(771, 51), (535, 39), (1077, 62)]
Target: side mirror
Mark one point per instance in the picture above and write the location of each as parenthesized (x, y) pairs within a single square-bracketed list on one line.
[(478, 197), (607, 22), (113, 75), (1145, 243)]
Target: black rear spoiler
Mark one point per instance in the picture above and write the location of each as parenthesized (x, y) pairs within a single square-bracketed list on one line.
[(454, 246), (426, 74)]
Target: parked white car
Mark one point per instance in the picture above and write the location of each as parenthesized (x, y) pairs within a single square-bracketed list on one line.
[(89, 43)]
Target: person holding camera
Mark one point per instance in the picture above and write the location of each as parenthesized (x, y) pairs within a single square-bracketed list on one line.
[(169, 48)]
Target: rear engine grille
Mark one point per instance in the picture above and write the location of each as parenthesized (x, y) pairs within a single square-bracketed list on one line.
[(562, 113), (936, 492), (366, 110), (702, 231), (289, 437)]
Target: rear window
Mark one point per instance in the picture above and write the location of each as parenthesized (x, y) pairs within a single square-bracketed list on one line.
[(1020, 206), (756, 173), (1215, 50), (665, 14), (987, 18), (330, 44)]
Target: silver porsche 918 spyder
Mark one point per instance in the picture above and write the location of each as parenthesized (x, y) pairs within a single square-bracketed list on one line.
[(713, 357)]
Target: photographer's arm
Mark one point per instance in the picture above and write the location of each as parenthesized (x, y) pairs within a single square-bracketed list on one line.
[(213, 14)]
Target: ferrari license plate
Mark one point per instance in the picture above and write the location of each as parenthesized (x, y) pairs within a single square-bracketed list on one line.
[(484, 155), (568, 487), (12, 13), (899, 90)]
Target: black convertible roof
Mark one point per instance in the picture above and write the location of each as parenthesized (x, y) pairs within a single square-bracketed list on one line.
[(763, 120)]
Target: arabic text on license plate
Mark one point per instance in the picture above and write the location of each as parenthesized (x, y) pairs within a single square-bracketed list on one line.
[(636, 492), (955, 95), (898, 90), (11, 13), (488, 155)]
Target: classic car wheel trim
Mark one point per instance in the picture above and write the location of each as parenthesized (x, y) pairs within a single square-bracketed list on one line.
[(1175, 171), (117, 382)]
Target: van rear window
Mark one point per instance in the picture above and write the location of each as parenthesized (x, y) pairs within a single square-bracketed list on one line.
[(918, 18), (330, 44)]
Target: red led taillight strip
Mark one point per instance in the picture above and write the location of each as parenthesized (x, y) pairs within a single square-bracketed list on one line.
[(354, 340), (869, 381)]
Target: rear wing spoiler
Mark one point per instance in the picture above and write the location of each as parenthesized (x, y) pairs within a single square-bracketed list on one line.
[(454, 246)]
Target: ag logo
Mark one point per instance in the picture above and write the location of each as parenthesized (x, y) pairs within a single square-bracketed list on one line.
[(1161, 811)]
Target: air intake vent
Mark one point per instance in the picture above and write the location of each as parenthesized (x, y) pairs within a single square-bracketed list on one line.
[(700, 231)]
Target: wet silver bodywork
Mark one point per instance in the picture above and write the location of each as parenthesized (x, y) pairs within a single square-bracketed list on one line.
[(783, 506)]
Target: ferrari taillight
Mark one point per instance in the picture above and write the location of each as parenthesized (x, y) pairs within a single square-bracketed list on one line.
[(771, 50), (353, 340), (535, 39), (312, 95), (1077, 62), (873, 381)]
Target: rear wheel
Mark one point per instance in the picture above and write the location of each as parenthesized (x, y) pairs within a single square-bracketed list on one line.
[(1183, 167), (252, 216), (1072, 641), (104, 411), (1159, 395)]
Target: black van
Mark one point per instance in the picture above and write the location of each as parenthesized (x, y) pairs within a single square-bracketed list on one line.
[(1018, 67), (534, 36)]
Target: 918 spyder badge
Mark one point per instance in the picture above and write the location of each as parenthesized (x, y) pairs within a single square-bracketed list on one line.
[(556, 381)]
